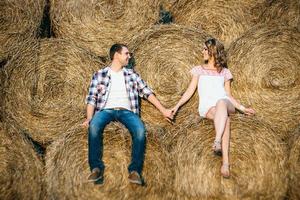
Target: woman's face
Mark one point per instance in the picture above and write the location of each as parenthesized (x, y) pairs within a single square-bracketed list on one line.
[(205, 53)]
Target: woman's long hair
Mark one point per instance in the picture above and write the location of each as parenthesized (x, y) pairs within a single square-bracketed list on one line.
[(216, 50)]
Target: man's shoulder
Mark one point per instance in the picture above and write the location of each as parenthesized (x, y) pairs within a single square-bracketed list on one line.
[(101, 72)]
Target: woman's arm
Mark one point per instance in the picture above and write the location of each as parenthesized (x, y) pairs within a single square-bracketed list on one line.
[(187, 94), (236, 104)]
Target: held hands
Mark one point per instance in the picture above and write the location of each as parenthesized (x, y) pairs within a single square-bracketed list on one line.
[(174, 110), (168, 114)]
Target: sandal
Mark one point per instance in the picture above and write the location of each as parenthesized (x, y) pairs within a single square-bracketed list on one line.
[(225, 170), (217, 148)]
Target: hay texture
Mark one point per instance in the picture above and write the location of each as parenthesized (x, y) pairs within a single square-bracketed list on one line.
[(67, 167), (19, 21), (279, 11), (21, 169), (225, 20), (265, 63), (47, 88), (2, 79), (164, 56), (294, 165), (96, 25), (257, 159)]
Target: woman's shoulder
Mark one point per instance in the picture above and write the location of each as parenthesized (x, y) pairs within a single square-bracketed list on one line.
[(196, 70)]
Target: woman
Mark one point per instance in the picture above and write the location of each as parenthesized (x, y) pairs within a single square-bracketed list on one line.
[(213, 80)]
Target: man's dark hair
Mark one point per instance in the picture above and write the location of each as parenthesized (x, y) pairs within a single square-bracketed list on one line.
[(115, 48)]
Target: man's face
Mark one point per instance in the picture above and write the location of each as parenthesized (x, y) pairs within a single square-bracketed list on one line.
[(124, 56)]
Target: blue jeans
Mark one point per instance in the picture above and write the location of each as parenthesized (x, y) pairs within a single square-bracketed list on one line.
[(136, 128)]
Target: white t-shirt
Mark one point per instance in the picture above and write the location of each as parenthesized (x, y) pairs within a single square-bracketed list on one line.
[(117, 96)]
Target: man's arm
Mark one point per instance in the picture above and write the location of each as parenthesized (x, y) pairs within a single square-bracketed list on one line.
[(91, 100), (166, 112), (89, 115)]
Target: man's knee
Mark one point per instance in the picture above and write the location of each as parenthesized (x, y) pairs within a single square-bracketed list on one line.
[(140, 134), (95, 129)]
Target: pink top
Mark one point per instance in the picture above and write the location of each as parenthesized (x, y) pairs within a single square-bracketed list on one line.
[(199, 70)]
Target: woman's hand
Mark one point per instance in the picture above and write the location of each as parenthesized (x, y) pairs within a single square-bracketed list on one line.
[(249, 111)]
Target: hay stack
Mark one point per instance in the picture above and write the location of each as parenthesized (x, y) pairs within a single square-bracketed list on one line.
[(19, 21), (279, 11), (294, 166), (67, 167), (225, 20), (96, 25), (265, 63), (258, 164), (20, 168), (164, 56), (47, 88), (2, 78)]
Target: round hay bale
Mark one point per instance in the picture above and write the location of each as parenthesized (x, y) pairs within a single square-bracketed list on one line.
[(265, 63), (21, 169), (47, 87), (67, 167), (257, 159), (165, 55), (19, 21), (279, 11), (224, 19), (294, 166), (96, 25), (2, 79)]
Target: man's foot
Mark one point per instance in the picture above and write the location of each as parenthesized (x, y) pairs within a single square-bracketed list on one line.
[(225, 170), (95, 175), (134, 177), (217, 148)]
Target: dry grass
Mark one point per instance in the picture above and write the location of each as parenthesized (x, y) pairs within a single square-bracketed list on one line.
[(46, 88), (265, 63), (21, 169), (224, 19), (96, 25), (67, 167), (257, 158), (279, 11), (19, 21), (294, 165)]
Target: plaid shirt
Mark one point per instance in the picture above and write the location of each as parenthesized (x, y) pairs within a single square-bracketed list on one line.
[(100, 87)]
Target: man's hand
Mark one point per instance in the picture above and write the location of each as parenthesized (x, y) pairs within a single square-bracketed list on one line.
[(168, 115), (86, 123)]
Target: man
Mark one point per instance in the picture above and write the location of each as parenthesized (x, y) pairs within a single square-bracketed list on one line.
[(113, 96)]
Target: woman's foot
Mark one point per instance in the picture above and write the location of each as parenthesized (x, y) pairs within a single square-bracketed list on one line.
[(225, 170), (217, 148)]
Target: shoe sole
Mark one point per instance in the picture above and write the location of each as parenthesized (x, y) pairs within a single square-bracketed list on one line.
[(135, 182), (94, 180)]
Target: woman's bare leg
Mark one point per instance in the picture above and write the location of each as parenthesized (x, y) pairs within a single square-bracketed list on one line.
[(219, 114)]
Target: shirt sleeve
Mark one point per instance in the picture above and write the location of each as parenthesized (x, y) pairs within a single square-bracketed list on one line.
[(195, 71), (228, 75), (143, 89), (91, 98)]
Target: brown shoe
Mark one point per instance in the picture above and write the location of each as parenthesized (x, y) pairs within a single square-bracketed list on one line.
[(135, 178), (96, 175)]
